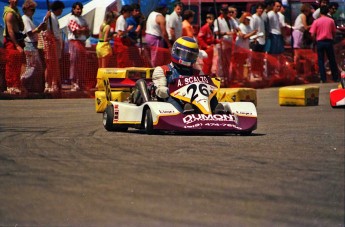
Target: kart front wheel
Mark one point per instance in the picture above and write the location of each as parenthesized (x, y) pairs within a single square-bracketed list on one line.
[(108, 117), (148, 122)]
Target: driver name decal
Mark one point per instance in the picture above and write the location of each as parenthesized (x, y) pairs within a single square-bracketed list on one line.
[(193, 79)]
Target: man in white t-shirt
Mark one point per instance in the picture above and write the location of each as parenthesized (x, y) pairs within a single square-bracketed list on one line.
[(275, 29), (122, 41), (258, 23), (221, 25), (174, 23)]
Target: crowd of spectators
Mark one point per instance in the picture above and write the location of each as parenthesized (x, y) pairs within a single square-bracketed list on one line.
[(125, 32)]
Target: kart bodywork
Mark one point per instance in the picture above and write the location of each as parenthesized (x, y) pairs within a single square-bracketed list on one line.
[(337, 97), (154, 116)]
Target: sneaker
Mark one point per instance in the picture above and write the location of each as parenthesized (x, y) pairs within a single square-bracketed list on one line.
[(188, 108), (54, 88), (47, 90), (13, 91), (75, 87), (219, 109)]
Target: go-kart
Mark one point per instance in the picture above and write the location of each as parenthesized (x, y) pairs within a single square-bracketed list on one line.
[(153, 116)]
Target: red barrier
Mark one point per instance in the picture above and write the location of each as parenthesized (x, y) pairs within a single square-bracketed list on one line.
[(236, 67)]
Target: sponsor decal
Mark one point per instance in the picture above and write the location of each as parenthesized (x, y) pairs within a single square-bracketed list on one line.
[(166, 111), (244, 113), (116, 113), (192, 118)]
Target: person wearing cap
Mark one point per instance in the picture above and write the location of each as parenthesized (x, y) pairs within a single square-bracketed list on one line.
[(245, 31)]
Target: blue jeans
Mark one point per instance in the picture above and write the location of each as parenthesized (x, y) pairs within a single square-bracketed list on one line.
[(326, 46)]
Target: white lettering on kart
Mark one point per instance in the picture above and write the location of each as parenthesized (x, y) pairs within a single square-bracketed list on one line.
[(197, 125), (193, 79), (189, 119), (166, 111)]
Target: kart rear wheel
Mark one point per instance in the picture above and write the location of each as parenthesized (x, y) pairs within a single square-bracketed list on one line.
[(108, 117), (148, 122)]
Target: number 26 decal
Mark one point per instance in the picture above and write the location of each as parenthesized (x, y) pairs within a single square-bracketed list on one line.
[(202, 89)]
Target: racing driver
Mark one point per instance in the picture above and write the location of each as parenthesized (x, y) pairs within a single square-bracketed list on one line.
[(184, 54)]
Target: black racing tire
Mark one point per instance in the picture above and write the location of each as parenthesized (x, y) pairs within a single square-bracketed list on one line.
[(148, 122), (246, 133), (108, 116)]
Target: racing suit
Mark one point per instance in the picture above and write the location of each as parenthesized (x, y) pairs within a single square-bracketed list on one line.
[(164, 75)]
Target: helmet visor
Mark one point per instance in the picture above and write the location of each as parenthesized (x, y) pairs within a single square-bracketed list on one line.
[(189, 55)]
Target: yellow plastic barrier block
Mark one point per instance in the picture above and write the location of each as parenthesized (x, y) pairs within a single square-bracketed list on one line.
[(306, 95), (101, 100), (237, 95)]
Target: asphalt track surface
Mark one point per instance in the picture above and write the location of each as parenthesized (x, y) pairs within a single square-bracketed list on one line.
[(60, 167)]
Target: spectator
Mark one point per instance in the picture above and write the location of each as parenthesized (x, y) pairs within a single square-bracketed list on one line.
[(122, 41), (258, 23), (121, 28), (245, 31), (33, 74), (206, 42), (133, 23), (221, 25), (174, 23), (103, 48), (301, 26), (233, 21), (14, 44), (78, 32), (286, 28), (187, 28), (323, 30), (222, 29), (156, 33), (316, 13), (333, 7), (275, 30), (282, 17), (269, 7), (53, 48)]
